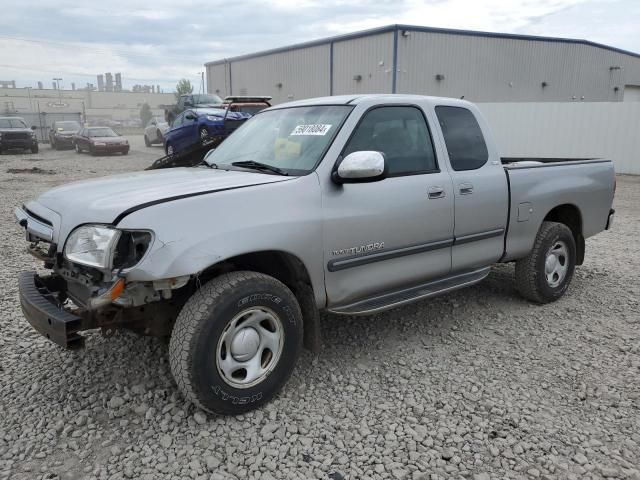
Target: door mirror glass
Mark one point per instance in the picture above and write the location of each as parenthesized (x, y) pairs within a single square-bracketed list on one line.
[(363, 166), (189, 116), (33, 127)]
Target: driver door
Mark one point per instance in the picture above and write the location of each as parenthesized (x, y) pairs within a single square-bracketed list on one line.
[(395, 233)]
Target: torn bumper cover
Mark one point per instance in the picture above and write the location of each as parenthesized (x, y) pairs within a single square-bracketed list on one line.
[(40, 301)]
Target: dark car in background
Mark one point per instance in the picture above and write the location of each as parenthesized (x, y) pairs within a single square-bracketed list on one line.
[(195, 126), (188, 101), (15, 134), (100, 140), (62, 132)]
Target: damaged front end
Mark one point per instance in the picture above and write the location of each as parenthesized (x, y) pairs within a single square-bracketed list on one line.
[(88, 289)]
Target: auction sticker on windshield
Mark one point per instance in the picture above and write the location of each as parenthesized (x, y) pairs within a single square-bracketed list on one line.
[(315, 129)]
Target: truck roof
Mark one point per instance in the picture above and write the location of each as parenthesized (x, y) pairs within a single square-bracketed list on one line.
[(381, 97)]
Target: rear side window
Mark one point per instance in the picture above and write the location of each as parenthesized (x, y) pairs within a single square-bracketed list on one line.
[(401, 133), (463, 137)]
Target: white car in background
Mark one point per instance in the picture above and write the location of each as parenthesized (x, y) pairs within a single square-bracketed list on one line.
[(154, 131)]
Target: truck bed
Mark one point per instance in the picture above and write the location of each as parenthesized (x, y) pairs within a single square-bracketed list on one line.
[(539, 185)]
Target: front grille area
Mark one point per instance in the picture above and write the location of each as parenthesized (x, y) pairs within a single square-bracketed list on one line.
[(16, 135)]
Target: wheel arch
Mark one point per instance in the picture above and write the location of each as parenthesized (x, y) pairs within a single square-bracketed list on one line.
[(288, 269), (570, 215)]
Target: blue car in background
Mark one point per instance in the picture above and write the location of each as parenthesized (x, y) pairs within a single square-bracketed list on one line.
[(200, 125)]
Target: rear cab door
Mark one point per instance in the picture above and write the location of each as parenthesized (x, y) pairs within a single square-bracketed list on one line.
[(480, 186)]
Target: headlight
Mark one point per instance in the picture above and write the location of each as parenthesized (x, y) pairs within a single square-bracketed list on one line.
[(214, 118), (92, 245)]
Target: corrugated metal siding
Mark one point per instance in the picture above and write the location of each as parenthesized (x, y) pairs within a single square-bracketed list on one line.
[(504, 69), (218, 79), (302, 73), (568, 129), (370, 57)]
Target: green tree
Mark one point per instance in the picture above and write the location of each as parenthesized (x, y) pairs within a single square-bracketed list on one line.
[(145, 114), (183, 87)]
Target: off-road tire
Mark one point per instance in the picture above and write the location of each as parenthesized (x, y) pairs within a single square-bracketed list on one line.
[(147, 143), (195, 336), (531, 281)]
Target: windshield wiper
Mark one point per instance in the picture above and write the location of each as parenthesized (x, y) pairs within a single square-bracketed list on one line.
[(259, 166)]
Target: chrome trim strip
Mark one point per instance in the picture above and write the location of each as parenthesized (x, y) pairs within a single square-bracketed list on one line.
[(358, 260), (34, 226), (474, 237)]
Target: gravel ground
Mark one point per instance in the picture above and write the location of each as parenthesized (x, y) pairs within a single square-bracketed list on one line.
[(477, 384)]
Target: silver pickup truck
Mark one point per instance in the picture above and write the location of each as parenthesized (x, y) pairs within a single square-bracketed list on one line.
[(349, 204)]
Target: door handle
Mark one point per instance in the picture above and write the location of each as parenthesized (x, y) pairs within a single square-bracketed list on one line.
[(466, 188), (436, 192)]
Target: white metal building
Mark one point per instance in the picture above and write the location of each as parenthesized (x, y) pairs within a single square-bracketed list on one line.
[(479, 66)]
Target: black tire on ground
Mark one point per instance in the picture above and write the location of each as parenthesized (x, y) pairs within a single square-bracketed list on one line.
[(125, 152), (532, 279), (147, 143), (77, 148), (197, 350), (34, 149)]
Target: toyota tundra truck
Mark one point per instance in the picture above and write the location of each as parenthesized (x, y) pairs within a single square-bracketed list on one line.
[(346, 204)]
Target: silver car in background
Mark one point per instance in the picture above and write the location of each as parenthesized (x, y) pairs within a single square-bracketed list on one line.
[(154, 131)]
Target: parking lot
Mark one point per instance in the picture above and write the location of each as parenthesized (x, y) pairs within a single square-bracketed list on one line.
[(476, 384)]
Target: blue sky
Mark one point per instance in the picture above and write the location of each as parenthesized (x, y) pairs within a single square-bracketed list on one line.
[(161, 41)]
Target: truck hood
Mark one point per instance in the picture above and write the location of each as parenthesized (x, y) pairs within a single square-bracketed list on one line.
[(106, 199)]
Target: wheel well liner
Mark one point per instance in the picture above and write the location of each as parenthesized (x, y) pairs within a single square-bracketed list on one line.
[(286, 268), (570, 216)]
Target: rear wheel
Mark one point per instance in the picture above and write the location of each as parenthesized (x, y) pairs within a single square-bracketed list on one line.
[(77, 148), (235, 342), (146, 140), (545, 274)]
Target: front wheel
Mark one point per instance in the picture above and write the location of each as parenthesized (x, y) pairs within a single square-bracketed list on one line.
[(204, 134), (235, 342), (545, 274)]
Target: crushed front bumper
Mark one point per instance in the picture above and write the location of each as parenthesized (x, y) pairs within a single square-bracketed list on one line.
[(39, 298)]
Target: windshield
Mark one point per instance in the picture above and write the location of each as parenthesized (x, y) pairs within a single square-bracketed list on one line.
[(67, 126), (206, 99), (12, 123), (291, 139), (102, 132)]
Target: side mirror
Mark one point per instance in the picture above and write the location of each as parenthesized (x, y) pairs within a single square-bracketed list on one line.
[(189, 117), (357, 167), (34, 128), (188, 104)]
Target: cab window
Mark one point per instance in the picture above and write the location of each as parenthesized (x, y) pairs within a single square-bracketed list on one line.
[(401, 134), (463, 138)]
